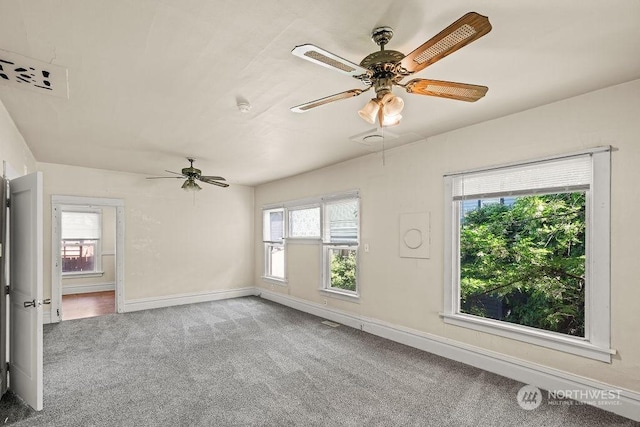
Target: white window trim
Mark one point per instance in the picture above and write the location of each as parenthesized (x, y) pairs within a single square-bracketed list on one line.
[(275, 279), (79, 274), (325, 284), (287, 240), (596, 343), (265, 261), (97, 272)]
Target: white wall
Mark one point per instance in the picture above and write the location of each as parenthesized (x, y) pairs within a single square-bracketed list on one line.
[(13, 148), (173, 244), (409, 292)]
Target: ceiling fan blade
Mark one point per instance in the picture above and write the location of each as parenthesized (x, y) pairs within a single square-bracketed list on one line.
[(318, 102), (443, 89), (162, 177), (470, 27), (182, 175), (327, 59), (213, 178), (219, 184)]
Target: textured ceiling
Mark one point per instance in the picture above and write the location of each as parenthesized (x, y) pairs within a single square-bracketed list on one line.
[(152, 82)]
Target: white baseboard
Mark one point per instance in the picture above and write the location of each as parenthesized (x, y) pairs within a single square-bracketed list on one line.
[(84, 289), (191, 298), (520, 370)]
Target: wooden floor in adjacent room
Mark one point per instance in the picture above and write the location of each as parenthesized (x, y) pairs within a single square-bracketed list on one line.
[(80, 306)]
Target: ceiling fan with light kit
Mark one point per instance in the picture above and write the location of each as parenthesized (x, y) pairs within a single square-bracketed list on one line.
[(191, 175), (384, 69)]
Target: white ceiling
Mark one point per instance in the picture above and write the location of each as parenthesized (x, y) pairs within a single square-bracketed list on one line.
[(154, 81)]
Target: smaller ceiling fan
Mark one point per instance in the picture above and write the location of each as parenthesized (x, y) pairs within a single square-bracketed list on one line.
[(192, 174)]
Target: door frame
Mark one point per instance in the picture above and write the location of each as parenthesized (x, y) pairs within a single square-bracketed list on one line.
[(57, 204)]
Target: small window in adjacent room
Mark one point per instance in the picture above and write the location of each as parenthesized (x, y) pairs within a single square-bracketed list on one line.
[(341, 229), (274, 249), (81, 242), (529, 252)]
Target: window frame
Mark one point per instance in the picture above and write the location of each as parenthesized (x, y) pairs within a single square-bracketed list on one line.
[(328, 245), (97, 271), (321, 240), (596, 342), (268, 244)]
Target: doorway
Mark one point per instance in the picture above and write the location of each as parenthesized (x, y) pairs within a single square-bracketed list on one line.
[(88, 304), (87, 257)]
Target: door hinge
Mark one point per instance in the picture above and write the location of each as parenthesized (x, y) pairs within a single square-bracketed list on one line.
[(8, 203), (7, 367), (58, 312), (6, 290)]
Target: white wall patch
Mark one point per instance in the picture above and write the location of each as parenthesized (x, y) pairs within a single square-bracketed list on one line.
[(414, 235)]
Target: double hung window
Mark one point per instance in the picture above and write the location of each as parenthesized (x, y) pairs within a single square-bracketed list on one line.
[(81, 242), (273, 238), (341, 224), (527, 252)]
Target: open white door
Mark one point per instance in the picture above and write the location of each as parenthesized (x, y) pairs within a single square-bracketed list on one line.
[(25, 281)]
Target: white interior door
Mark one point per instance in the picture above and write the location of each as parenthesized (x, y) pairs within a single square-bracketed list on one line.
[(25, 281)]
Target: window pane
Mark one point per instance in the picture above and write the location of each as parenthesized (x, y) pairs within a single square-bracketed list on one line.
[(342, 264), (273, 225), (522, 260), (78, 256), (275, 261), (342, 221), (304, 222)]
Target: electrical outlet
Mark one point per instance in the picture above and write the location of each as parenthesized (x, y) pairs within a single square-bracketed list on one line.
[(272, 287), (324, 301)]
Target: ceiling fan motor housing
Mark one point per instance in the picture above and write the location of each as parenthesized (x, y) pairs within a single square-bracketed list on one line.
[(191, 171), (381, 35)]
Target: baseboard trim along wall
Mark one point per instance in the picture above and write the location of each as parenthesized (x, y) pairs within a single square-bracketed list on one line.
[(85, 289), (520, 370), (190, 298)]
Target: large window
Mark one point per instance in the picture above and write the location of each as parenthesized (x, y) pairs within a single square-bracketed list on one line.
[(332, 222), (273, 237), (529, 257), (80, 246)]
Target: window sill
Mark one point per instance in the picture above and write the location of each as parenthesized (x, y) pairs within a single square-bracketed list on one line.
[(345, 296), (303, 240), (275, 281), (82, 274), (555, 341)]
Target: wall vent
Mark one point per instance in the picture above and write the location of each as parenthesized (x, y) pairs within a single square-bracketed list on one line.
[(373, 137), (34, 75), (330, 323)]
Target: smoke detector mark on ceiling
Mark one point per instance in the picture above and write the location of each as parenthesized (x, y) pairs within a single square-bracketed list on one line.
[(373, 136), (32, 74)]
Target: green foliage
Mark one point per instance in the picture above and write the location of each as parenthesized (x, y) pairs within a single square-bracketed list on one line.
[(525, 263), (343, 269)]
